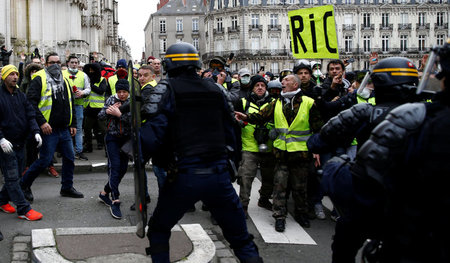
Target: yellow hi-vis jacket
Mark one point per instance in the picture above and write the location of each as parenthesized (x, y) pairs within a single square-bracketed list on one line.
[(45, 104), (77, 82), (292, 138), (249, 143), (95, 100)]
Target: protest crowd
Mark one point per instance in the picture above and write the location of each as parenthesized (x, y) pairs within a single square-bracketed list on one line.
[(313, 130)]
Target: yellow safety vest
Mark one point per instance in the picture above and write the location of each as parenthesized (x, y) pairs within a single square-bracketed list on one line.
[(45, 104), (232, 81), (78, 82), (95, 100), (112, 84), (293, 138), (249, 143), (362, 100)]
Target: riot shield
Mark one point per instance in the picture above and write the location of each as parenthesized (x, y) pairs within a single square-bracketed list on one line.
[(139, 166)]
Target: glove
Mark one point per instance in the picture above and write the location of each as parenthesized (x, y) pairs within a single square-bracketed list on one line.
[(38, 140), (7, 147)]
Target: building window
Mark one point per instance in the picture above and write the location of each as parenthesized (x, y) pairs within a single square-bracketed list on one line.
[(179, 40), (194, 24), (440, 40), (348, 43), (234, 3), (420, 1), (421, 42), (234, 22), (272, 2), (254, 2), (195, 43), (384, 19), (163, 45), (366, 20), (179, 25), (404, 18), (422, 19), (366, 43), (255, 21), (348, 2), (440, 18), (273, 43), (162, 26), (348, 19), (385, 43), (273, 20), (403, 43), (310, 2), (366, 2), (255, 67), (255, 43), (234, 44), (219, 4), (274, 68), (403, 1), (219, 25)]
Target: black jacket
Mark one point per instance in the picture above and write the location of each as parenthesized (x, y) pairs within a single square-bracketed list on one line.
[(60, 114), (17, 116), (119, 127)]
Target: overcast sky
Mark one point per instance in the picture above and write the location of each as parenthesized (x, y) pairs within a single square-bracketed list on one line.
[(133, 16)]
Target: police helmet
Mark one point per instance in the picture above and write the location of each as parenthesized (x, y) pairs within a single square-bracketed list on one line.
[(274, 84), (395, 80), (180, 55), (394, 71)]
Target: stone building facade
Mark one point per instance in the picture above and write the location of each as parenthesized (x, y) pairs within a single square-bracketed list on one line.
[(84, 27), (257, 31), (176, 20)]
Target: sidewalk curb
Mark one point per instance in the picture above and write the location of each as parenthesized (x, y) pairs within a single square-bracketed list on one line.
[(44, 245)]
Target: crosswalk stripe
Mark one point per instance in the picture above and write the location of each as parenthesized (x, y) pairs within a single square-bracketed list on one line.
[(264, 222)]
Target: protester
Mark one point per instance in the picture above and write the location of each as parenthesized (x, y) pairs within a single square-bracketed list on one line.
[(51, 97), (17, 119)]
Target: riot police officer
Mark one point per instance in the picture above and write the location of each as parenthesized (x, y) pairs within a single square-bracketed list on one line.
[(189, 121), (402, 174), (395, 80)]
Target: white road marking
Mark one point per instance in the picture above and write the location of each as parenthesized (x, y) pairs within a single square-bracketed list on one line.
[(264, 222)]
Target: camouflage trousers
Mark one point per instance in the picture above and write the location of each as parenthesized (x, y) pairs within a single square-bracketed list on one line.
[(291, 171), (247, 172)]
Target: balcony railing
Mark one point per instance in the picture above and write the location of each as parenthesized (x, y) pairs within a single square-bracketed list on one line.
[(440, 25), (367, 26), (195, 32), (218, 31), (255, 28), (163, 32), (422, 26), (241, 53), (274, 27), (386, 26), (349, 27), (235, 29), (406, 26)]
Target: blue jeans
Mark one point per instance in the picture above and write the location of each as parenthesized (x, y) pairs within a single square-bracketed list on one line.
[(11, 166), (79, 136), (216, 191), (117, 164), (61, 139)]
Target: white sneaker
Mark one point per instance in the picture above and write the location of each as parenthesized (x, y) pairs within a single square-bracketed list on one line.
[(318, 209)]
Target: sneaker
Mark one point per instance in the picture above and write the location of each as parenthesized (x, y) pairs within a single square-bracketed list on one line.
[(280, 224), (115, 210), (265, 203), (28, 194), (32, 215), (71, 193), (81, 156), (318, 209), (104, 199), (52, 171), (7, 208)]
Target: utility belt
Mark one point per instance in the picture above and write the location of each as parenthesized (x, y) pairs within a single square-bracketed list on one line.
[(202, 171)]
